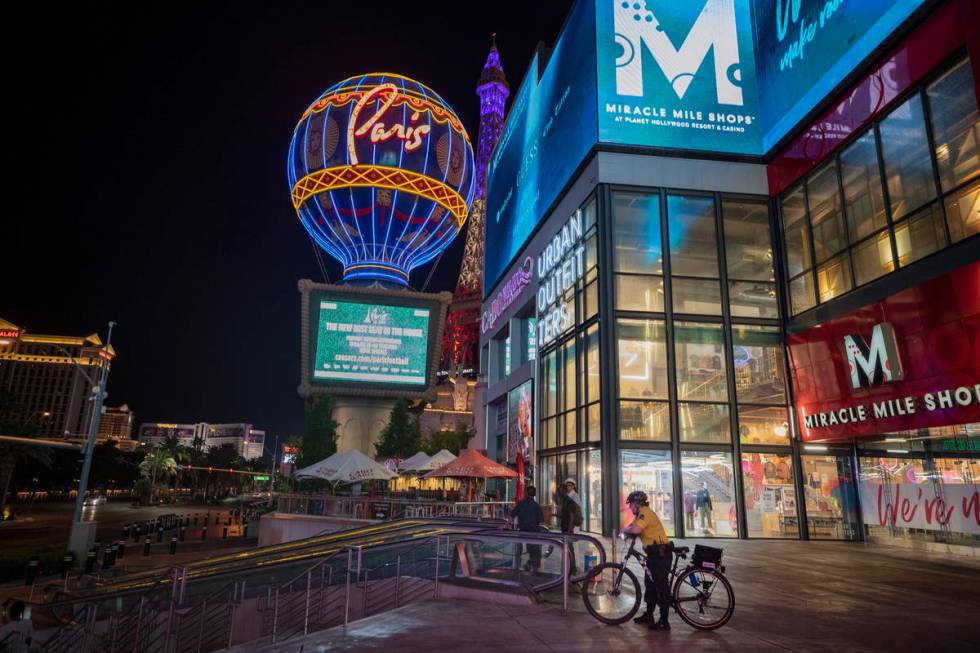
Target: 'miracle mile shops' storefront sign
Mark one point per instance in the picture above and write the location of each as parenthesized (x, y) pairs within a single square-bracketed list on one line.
[(910, 361)]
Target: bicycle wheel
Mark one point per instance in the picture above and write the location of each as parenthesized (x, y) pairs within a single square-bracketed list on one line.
[(703, 598), (611, 593)]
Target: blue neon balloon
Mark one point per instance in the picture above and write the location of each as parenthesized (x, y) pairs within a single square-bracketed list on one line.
[(381, 173)]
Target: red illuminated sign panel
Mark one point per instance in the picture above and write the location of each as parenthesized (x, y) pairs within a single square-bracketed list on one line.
[(910, 361)]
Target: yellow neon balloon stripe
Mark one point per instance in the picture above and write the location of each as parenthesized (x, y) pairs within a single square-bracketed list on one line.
[(360, 176)]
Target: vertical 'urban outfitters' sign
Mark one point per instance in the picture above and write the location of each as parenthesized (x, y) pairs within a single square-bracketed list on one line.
[(559, 267)]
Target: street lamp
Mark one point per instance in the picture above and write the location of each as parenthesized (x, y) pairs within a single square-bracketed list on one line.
[(98, 392)]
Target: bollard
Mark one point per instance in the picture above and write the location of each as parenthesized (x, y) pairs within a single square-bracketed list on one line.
[(122, 550), (224, 535), (90, 561), (66, 564), (114, 552), (33, 568), (124, 534), (146, 548), (107, 557), (160, 533), (173, 545), (204, 532), (136, 533), (183, 533)]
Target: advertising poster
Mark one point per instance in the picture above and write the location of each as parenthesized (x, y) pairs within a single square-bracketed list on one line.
[(677, 75), (911, 505), (551, 126), (371, 343), (520, 435)]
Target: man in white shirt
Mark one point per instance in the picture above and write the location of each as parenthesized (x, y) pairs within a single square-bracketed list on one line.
[(572, 494)]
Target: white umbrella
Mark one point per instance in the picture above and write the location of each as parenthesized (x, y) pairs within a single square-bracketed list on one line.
[(349, 467), (413, 463), (437, 461), (314, 470)]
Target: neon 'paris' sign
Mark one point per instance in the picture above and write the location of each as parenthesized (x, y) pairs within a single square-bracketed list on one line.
[(411, 135)]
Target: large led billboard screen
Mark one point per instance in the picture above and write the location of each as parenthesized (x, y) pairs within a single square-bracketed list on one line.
[(371, 342), (677, 75), (805, 48), (550, 128)]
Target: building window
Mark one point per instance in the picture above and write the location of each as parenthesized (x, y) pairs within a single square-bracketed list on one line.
[(748, 256), (653, 473), (637, 251), (693, 255), (770, 495), (908, 166), (955, 125), (642, 359), (885, 231), (709, 494), (831, 498)]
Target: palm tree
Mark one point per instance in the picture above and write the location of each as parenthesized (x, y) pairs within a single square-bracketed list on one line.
[(160, 461)]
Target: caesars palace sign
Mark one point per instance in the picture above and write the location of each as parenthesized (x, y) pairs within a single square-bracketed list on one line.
[(876, 363)]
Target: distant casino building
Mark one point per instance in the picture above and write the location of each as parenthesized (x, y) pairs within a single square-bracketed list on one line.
[(116, 423), (49, 391), (248, 441)]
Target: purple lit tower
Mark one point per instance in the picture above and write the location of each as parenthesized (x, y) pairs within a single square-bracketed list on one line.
[(461, 342), (493, 91), (463, 325)]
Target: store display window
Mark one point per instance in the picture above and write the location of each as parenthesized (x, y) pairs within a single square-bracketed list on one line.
[(770, 495), (652, 472), (831, 498), (709, 494)]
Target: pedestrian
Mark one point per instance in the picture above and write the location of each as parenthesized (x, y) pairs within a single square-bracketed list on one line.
[(648, 527), (689, 511), (570, 486), (528, 514), (17, 635), (569, 518), (703, 503)]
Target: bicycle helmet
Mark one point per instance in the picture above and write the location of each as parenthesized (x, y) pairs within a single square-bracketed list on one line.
[(638, 496)]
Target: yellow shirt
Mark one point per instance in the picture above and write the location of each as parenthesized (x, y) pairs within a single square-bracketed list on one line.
[(653, 531)]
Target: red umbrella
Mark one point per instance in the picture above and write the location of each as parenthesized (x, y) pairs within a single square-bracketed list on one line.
[(472, 464)]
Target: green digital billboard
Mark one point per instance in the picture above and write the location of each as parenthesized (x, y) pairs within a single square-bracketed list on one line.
[(371, 343)]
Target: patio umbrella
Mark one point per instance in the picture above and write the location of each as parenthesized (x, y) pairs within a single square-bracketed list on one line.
[(472, 464), (313, 471), (437, 461), (349, 467), (414, 463)]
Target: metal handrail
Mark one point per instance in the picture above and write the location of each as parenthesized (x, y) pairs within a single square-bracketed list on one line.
[(317, 600)]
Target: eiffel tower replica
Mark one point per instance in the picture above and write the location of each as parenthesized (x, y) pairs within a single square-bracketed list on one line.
[(460, 362)]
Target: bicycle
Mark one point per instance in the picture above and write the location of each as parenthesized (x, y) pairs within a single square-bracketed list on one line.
[(612, 593)]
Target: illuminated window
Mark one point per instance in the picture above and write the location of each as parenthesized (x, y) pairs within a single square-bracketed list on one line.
[(955, 125)]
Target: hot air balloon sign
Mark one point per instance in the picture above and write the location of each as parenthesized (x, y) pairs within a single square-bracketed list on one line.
[(382, 176)]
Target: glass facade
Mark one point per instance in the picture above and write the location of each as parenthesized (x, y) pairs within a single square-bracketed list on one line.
[(672, 374), (901, 190)]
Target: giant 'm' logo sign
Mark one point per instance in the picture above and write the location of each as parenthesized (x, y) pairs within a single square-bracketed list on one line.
[(714, 29), (874, 363)]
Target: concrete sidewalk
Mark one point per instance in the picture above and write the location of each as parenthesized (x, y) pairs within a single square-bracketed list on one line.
[(790, 596)]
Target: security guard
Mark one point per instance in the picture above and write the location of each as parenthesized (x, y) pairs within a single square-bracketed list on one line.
[(659, 553)]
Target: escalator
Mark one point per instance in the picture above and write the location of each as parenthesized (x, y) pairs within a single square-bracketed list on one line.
[(297, 552)]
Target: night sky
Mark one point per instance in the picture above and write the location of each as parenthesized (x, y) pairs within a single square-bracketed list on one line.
[(148, 177)]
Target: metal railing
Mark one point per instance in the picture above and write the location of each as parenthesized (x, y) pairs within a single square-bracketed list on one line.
[(326, 505), (286, 600)]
